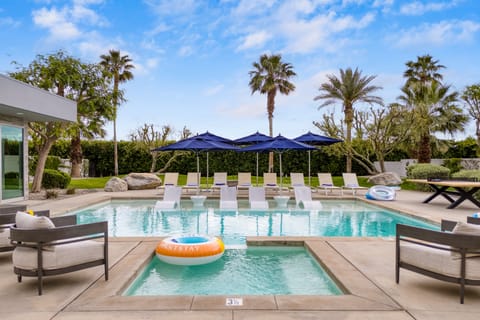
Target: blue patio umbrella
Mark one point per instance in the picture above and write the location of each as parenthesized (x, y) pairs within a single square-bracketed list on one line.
[(197, 145), (315, 140), (279, 144), (212, 137), (253, 138)]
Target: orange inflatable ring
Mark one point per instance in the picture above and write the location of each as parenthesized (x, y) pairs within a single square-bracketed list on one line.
[(190, 250)]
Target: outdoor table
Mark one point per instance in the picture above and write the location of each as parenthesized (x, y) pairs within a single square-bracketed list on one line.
[(281, 201), (464, 190), (198, 200)]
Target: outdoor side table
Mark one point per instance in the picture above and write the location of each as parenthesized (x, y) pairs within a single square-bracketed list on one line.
[(198, 200), (281, 201)]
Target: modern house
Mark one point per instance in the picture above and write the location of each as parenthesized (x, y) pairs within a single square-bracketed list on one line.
[(21, 103)]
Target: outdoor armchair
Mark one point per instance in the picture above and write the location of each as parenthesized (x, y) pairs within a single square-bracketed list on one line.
[(45, 247), (451, 255)]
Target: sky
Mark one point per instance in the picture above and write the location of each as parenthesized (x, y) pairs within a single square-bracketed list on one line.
[(192, 57)]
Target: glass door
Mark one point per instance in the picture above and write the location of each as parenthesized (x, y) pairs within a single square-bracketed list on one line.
[(12, 162)]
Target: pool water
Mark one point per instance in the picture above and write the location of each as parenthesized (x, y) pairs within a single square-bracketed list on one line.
[(345, 218), (252, 271)]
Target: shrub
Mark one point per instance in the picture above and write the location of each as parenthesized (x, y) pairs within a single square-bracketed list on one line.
[(51, 194), (427, 171), (70, 191), (469, 174), (454, 164), (55, 179)]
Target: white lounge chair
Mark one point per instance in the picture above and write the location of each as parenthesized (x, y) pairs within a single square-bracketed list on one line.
[(170, 179), (219, 180), (297, 179), (193, 181), (244, 180), (303, 198), (171, 198), (350, 181), (325, 182), (228, 197), (256, 198), (270, 181)]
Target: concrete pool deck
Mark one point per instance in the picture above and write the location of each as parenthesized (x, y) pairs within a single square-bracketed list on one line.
[(364, 266)]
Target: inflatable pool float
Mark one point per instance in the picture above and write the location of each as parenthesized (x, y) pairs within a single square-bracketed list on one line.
[(190, 250), (380, 193)]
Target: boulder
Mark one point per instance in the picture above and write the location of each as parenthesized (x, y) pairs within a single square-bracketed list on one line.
[(386, 179), (116, 184), (142, 181)]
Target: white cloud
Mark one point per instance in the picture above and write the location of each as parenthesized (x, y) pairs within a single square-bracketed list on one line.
[(168, 7), (442, 33), (152, 63), (418, 8), (185, 51), (64, 24), (161, 27), (57, 23), (249, 7), (213, 90), (254, 40), (9, 22), (304, 36)]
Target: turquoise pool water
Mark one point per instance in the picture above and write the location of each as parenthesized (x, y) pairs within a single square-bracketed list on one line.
[(252, 271), (346, 218)]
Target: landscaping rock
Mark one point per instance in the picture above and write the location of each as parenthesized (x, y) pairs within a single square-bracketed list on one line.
[(116, 184), (142, 181), (386, 179)]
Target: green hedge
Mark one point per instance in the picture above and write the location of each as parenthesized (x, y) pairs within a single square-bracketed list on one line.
[(55, 179), (427, 171)]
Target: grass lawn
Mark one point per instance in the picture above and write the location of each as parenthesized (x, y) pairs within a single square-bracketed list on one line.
[(99, 183)]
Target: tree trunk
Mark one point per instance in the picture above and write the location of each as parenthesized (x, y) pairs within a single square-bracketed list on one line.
[(348, 138), (115, 147), (270, 109), (154, 162), (477, 122), (42, 159), (76, 157), (424, 149)]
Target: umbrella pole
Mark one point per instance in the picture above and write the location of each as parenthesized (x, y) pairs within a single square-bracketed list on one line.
[(207, 170), (281, 174), (309, 176), (198, 174), (257, 169)]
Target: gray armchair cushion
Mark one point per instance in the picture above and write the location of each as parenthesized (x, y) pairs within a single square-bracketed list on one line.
[(439, 261), (64, 255)]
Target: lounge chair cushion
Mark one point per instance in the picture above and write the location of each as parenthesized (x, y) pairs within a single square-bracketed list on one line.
[(63, 256), (25, 220), (439, 261)]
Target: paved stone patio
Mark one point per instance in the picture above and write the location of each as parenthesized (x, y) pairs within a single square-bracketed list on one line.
[(364, 266)]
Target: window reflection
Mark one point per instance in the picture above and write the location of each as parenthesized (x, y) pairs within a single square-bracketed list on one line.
[(12, 162)]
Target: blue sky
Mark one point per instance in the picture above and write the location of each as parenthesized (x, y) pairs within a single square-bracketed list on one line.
[(192, 57)]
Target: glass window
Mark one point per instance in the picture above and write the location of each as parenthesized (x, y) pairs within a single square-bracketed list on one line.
[(12, 162)]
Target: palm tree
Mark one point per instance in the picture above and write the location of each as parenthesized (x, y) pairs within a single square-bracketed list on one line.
[(269, 76), (434, 109), (423, 71), (349, 89), (471, 96), (118, 68)]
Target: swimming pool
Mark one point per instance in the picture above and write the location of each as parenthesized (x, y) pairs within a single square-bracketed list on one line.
[(346, 218), (252, 271)]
